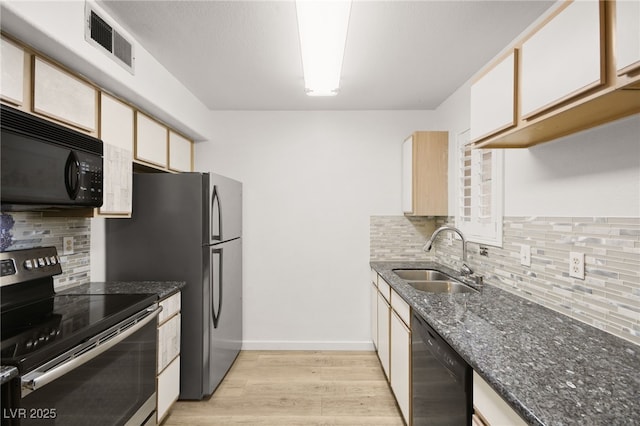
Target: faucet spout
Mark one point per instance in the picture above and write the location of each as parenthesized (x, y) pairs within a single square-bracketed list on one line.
[(465, 269)]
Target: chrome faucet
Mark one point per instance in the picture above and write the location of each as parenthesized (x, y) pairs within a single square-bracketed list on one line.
[(464, 269)]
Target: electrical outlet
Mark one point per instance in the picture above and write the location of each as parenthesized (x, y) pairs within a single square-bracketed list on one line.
[(67, 245), (576, 265), (525, 255)]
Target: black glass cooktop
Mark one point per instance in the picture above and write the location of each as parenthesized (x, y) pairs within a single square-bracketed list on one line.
[(35, 333)]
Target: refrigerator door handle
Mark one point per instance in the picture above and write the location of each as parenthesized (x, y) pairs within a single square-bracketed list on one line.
[(216, 216), (216, 285)]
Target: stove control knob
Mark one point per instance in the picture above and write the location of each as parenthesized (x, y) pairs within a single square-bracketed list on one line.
[(29, 264), (53, 260), (41, 262)]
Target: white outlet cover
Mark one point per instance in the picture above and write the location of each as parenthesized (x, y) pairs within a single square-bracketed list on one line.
[(576, 265), (67, 245), (525, 255)]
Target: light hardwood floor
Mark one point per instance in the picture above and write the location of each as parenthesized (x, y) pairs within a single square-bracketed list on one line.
[(305, 388)]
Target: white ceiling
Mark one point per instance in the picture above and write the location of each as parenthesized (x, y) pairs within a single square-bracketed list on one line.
[(400, 55)]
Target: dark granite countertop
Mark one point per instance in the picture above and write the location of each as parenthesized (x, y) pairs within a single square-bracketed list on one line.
[(161, 288), (551, 369), (7, 372)]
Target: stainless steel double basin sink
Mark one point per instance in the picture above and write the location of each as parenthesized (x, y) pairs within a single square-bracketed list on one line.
[(432, 281)]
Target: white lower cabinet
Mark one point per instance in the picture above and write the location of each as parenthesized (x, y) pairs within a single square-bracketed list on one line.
[(168, 373), (401, 364), (374, 315), (490, 408), (168, 388), (393, 344), (384, 315)]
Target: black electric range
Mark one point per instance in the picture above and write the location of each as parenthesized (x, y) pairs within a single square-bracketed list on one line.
[(38, 324)]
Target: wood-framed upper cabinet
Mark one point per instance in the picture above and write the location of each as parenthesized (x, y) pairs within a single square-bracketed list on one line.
[(564, 58), (627, 42), (63, 97), (151, 142), (573, 71), (14, 89), (424, 174), (493, 99), (180, 153), (117, 134)]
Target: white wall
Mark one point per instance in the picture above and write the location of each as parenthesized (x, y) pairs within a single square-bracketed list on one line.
[(311, 181), (594, 173)]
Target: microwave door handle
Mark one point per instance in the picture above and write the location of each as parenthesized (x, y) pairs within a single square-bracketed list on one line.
[(216, 216), (72, 175), (216, 284)]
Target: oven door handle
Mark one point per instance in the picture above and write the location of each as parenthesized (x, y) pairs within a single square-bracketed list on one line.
[(76, 357)]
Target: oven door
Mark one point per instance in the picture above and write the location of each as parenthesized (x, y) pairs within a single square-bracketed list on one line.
[(108, 382)]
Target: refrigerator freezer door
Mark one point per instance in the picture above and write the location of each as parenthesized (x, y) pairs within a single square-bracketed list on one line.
[(225, 209), (224, 311)]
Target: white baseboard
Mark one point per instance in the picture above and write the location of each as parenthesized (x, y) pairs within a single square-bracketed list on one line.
[(271, 345)]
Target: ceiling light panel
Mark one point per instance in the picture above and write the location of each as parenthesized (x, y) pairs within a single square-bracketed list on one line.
[(322, 26)]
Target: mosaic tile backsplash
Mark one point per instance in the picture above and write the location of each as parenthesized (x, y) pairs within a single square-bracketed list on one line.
[(609, 296), (20, 230)]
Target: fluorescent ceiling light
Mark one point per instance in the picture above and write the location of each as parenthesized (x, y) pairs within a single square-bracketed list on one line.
[(322, 26)]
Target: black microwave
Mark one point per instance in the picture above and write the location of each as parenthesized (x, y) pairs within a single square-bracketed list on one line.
[(47, 166)]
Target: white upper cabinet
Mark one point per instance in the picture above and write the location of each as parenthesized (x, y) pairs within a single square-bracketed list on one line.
[(116, 119), (13, 72), (493, 99), (180, 153), (151, 141), (564, 58), (61, 96), (116, 132), (627, 36)]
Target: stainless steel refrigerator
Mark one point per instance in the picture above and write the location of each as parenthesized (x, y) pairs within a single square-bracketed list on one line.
[(188, 227)]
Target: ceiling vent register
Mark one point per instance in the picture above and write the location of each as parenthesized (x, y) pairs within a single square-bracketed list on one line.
[(104, 37)]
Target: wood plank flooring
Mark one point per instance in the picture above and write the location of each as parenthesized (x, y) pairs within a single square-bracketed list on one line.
[(305, 388)]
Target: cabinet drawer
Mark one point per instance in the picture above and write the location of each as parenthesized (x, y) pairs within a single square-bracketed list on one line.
[(168, 388), (401, 307), (168, 342), (384, 289), (170, 307)]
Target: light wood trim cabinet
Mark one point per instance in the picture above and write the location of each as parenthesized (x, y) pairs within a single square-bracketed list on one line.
[(564, 58), (168, 371), (374, 315), (627, 42), (384, 331), (116, 132), (400, 355), (180, 153), (151, 141), (567, 75), (424, 174), (63, 97), (392, 339), (14, 73), (493, 99)]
